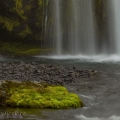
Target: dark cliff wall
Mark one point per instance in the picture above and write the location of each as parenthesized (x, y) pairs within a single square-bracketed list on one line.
[(21, 19)]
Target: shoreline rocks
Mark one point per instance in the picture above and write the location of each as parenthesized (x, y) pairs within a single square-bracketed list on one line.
[(51, 74)]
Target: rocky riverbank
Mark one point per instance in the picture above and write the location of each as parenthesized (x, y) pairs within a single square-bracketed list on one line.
[(51, 74)]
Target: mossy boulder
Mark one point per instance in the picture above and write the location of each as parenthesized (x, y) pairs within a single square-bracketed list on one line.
[(38, 95)]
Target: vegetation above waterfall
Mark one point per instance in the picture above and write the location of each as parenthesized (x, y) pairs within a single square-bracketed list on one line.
[(37, 95)]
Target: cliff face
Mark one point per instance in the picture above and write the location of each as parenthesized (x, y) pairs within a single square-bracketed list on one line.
[(21, 19)]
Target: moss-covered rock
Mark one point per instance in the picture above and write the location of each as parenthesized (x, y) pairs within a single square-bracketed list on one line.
[(34, 95), (20, 49), (33, 52)]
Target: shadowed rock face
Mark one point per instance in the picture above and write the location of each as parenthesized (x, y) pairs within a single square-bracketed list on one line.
[(43, 73), (21, 19), (26, 19)]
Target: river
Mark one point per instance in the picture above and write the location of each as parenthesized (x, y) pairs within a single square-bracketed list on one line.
[(99, 93)]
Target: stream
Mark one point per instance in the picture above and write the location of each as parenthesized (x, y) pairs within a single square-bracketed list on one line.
[(100, 93)]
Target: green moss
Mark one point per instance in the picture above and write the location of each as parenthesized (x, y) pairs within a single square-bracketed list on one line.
[(40, 3), (33, 95), (32, 52), (29, 52), (19, 9), (8, 47), (28, 7), (8, 23), (25, 32), (17, 48)]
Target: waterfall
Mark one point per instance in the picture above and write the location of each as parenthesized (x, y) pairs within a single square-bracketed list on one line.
[(115, 5), (57, 26), (72, 28), (82, 36), (75, 34)]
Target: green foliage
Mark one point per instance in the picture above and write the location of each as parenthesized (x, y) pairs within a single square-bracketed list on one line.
[(8, 23), (28, 7), (29, 52), (25, 32), (17, 48), (19, 9), (22, 20), (40, 3), (8, 47), (38, 95), (33, 52)]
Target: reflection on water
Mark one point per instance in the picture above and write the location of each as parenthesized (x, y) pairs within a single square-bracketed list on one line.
[(20, 113)]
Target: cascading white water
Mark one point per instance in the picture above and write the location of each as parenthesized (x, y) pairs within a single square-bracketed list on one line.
[(80, 34), (57, 26), (115, 4), (74, 28), (75, 34)]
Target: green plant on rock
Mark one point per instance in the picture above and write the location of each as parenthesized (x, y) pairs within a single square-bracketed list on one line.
[(20, 49), (8, 23), (33, 52), (25, 32), (30, 52), (40, 3), (19, 9), (38, 95)]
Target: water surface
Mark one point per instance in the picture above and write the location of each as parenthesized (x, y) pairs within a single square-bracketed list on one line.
[(100, 93)]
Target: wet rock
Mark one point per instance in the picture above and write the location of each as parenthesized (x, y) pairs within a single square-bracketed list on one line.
[(33, 63), (41, 72)]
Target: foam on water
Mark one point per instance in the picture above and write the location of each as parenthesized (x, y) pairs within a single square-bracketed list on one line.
[(88, 97), (82, 117), (85, 58)]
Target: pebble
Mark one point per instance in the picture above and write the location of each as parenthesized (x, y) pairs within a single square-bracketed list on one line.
[(52, 74)]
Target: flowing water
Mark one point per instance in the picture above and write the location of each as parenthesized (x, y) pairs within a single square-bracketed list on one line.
[(73, 31), (116, 16), (99, 93), (74, 34), (58, 35), (82, 35)]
